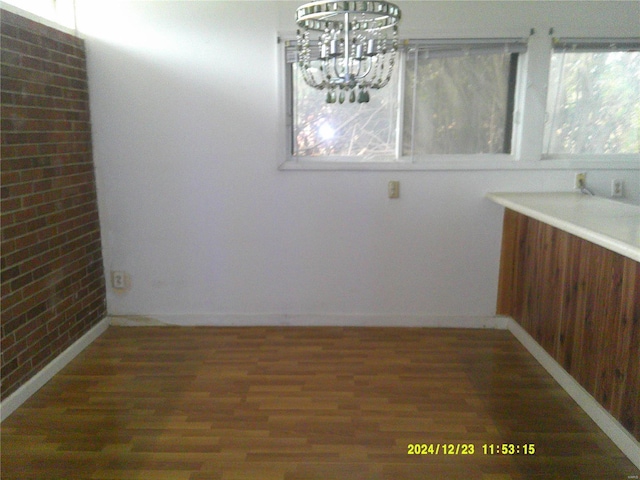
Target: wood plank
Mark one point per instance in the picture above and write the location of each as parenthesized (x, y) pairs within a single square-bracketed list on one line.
[(508, 275), (608, 285), (290, 403), (627, 408), (574, 307)]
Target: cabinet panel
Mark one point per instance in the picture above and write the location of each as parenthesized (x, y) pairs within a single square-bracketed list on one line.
[(581, 303), (626, 386)]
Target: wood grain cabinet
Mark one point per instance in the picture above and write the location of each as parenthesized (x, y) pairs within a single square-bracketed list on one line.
[(581, 303)]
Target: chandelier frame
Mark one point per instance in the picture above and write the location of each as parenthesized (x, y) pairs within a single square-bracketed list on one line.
[(351, 46)]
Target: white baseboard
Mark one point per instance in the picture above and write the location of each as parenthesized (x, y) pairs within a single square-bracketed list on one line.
[(310, 320), (607, 423), (17, 398)]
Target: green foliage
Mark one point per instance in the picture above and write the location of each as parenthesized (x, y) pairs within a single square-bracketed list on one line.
[(459, 105), (453, 104), (594, 103)]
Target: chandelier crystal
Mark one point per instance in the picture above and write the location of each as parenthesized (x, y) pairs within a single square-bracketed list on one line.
[(344, 46)]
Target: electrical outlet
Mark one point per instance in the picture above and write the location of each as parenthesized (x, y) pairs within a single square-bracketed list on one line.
[(617, 188), (118, 280), (581, 180), (394, 189)]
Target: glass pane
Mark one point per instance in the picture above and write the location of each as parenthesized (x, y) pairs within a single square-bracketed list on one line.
[(364, 131), (460, 104), (593, 103)]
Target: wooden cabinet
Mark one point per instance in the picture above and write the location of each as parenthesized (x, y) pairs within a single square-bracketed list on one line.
[(581, 303)]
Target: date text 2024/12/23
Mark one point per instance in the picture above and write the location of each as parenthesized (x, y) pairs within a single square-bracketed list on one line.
[(470, 449)]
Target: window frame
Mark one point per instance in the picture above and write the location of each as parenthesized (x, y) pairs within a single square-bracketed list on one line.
[(486, 45), (584, 44), (528, 124), (399, 161), (331, 162)]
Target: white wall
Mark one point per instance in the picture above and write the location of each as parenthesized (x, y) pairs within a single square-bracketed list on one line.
[(185, 111)]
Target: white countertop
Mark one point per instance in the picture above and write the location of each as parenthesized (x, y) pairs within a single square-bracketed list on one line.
[(610, 224)]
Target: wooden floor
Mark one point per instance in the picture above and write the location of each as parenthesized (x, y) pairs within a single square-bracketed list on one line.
[(305, 403)]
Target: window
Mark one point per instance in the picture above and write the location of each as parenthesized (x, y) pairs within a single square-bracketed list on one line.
[(363, 132), (593, 99), (459, 99), (454, 97)]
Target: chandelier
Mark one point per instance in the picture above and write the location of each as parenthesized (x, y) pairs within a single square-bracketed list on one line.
[(353, 47)]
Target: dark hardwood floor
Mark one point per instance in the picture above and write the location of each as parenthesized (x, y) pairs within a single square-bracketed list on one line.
[(305, 403)]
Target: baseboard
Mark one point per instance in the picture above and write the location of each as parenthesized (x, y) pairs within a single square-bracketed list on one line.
[(310, 320), (607, 423), (17, 398)]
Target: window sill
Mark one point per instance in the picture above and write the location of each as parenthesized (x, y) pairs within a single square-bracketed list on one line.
[(590, 158), (469, 163)]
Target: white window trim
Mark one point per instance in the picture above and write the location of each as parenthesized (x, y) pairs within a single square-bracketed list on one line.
[(444, 163), (588, 158), (401, 163), (528, 131)]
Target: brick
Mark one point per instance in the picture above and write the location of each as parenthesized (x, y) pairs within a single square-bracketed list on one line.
[(50, 232), (8, 368)]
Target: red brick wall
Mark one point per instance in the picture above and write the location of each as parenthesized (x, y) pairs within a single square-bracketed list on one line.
[(53, 287)]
